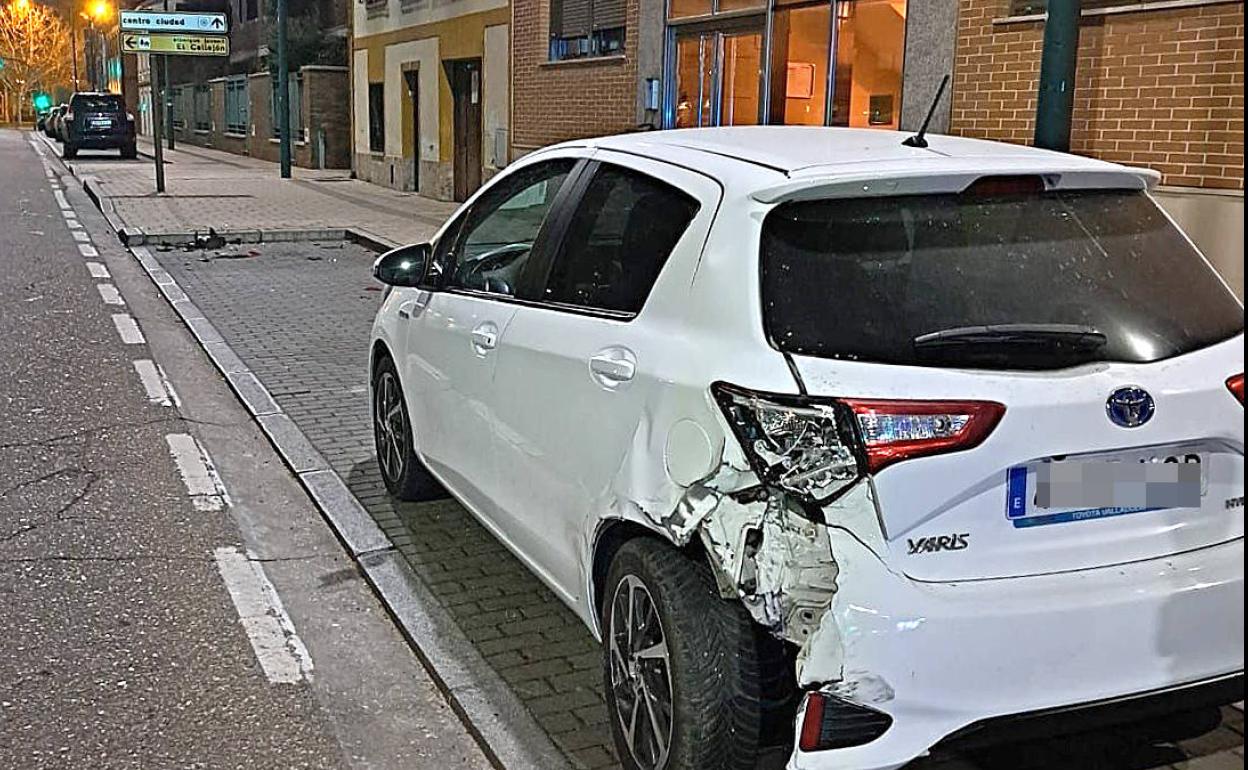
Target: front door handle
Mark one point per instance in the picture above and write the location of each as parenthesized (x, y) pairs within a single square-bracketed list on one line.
[(614, 367), (484, 338)]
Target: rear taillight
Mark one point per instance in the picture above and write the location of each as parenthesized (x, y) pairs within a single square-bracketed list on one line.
[(1236, 386), (902, 430), (817, 448)]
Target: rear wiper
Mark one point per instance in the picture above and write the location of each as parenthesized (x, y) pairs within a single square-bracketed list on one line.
[(1069, 337)]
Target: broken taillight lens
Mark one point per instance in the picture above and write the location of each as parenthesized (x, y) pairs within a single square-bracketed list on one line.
[(801, 446), (817, 448), (902, 430), (1236, 385)]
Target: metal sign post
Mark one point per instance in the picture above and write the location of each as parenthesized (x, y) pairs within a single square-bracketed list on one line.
[(161, 34), (158, 119)]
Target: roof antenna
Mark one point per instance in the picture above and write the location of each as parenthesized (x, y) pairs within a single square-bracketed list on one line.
[(919, 140)]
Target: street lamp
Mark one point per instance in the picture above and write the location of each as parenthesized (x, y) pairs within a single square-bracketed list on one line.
[(97, 12)]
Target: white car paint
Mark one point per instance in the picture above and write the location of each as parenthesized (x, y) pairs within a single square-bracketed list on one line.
[(540, 439)]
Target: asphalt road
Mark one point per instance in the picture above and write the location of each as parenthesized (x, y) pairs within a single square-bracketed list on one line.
[(168, 596)]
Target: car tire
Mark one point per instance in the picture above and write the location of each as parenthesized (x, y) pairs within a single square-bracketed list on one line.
[(714, 662), (68, 151), (405, 476)]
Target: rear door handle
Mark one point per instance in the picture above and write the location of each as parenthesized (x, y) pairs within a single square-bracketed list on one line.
[(613, 367), (484, 338)]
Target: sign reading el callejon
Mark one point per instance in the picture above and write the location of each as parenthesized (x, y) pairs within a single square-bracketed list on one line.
[(185, 45)]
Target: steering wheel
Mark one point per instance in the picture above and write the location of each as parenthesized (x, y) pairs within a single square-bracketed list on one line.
[(477, 272)]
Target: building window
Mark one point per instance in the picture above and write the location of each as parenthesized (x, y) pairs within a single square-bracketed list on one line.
[(201, 107), (583, 28), (237, 105), (294, 89), (376, 117), (178, 107)]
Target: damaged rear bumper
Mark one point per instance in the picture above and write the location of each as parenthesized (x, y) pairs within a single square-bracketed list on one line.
[(938, 658)]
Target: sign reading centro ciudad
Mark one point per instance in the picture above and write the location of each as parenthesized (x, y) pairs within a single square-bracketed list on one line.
[(174, 21)]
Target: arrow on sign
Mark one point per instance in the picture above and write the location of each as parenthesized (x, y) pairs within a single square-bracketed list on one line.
[(217, 23)]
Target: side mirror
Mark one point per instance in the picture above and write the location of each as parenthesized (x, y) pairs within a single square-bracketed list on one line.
[(404, 266)]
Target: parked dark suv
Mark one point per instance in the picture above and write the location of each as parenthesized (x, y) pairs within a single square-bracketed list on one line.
[(97, 121)]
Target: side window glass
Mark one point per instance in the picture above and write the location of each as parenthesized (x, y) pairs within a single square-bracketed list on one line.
[(620, 236), (498, 235)]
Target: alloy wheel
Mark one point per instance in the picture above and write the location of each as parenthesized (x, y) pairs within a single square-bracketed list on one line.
[(390, 426), (641, 674)]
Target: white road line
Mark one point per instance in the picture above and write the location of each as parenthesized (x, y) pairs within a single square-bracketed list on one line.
[(109, 294), (60, 199), (81, 236), (128, 328), (278, 648), (97, 270), (72, 224), (198, 473), (88, 250), (159, 389)]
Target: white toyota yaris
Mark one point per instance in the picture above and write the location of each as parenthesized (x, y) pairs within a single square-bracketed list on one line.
[(887, 444)]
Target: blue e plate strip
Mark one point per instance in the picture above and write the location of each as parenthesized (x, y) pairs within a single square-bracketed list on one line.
[(1016, 494)]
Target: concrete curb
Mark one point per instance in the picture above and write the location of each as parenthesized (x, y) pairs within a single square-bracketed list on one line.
[(507, 733)]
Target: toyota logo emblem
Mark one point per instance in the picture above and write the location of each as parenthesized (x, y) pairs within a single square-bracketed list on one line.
[(1130, 407)]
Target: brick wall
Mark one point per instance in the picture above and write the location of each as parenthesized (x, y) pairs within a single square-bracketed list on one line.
[(325, 104), (1162, 88), (553, 102), (327, 107)]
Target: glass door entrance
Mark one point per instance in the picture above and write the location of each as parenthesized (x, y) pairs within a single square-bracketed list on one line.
[(826, 63), (719, 78)]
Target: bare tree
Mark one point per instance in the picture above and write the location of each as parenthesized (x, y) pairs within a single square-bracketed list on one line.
[(35, 54)]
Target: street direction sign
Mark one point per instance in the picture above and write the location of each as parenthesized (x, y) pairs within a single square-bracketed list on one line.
[(177, 45), (174, 21)]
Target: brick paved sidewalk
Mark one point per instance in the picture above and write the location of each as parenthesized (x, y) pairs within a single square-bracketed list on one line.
[(209, 188), (299, 316)]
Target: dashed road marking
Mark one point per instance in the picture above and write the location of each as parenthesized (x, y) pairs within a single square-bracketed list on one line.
[(159, 389), (73, 224), (278, 648), (198, 473), (88, 250), (97, 270), (80, 235), (61, 200), (128, 328), (109, 294)]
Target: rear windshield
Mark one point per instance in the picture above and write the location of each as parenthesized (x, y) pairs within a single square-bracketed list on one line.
[(863, 278), (103, 103)]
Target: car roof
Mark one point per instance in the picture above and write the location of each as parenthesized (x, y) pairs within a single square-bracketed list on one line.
[(767, 155)]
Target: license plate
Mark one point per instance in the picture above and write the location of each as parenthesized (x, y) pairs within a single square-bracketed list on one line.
[(101, 123), (1059, 492)]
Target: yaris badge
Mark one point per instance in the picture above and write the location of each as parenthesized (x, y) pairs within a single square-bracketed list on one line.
[(1130, 407)]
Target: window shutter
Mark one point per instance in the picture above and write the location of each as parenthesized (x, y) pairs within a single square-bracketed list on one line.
[(571, 18), (609, 14)]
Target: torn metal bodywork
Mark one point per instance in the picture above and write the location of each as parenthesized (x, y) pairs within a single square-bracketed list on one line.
[(771, 554)]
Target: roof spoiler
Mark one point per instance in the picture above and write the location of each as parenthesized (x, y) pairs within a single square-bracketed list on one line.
[(929, 183)]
